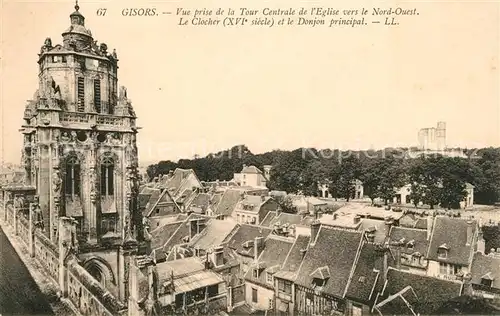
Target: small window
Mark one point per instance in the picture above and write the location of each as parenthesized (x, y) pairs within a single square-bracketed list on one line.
[(255, 273), (254, 296), (157, 211), (269, 278)]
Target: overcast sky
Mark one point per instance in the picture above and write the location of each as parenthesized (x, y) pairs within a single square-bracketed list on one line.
[(198, 90)]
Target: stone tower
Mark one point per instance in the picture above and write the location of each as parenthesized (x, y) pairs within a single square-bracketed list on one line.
[(80, 132)]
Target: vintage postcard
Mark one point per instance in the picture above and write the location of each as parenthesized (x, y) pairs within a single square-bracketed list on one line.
[(300, 157)]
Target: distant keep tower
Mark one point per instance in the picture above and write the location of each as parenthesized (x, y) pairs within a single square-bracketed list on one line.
[(80, 148), (441, 135)]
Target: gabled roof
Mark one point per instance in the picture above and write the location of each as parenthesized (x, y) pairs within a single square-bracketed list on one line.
[(160, 235), (213, 235), (176, 181), (202, 200), (228, 202), (377, 227), (286, 218), (452, 232), (406, 236), (337, 249), (159, 198), (177, 237), (399, 303), (297, 253), (272, 257), (486, 267), (252, 203), (367, 277), (251, 169), (245, 234), (431, 292)]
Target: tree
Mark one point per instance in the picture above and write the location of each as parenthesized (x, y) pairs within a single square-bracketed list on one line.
[(286, 204), (348, 173), (371, 178)]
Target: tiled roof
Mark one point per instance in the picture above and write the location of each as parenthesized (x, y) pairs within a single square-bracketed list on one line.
[(399, 303), (413, 221), (431, 292), (368, 272), (202, 200), (153, 199), (418, 236), (174, 182), (272, 257), (143, 200), (268, 219), (159, 198), (228, 202), (296, 254), (484, 264), (291, 219), (452, 232), (160, 235), (181, 233), (378, 227), (213, 234), (252, 203), (336, 248), (251, 169), (245, 233)]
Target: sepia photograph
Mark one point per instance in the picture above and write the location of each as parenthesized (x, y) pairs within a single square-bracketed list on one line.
[(264, 157)]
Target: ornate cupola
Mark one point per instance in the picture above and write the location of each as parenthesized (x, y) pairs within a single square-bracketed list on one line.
[(77, 37)]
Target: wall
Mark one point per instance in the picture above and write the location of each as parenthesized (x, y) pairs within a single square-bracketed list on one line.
[(263, 296), (84, 292), (433, 270)]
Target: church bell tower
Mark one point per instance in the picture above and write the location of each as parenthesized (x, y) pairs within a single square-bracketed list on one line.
[(80, 148)]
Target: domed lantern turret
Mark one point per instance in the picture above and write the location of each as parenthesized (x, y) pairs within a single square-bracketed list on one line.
[(77, 37)]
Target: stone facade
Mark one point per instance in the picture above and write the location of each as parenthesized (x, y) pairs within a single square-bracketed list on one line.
[(80, 147)]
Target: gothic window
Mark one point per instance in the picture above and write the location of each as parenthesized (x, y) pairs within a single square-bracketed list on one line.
[(81, 94), (72, 183), (107, 177), (97, 95), (108, 224)]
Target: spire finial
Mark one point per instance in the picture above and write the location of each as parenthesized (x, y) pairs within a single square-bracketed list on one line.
[(76, 5)]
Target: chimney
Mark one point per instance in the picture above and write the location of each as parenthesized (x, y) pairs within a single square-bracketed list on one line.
[(388, 224), (469, 233), (257, 246), (319, 214), (398, 257), (314, 231), (303, 253), (357, 219), (218, 256), (193, 227)]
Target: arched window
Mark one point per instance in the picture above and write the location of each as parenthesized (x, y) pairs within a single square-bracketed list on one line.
[(107, 176), (72, 183)]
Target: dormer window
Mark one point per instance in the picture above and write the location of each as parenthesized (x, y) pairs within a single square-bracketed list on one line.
[(410, 244), (256, 273), (487, 279), (443, 251), (269, 278), (320, 276)]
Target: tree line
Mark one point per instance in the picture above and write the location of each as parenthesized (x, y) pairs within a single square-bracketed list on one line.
[(435, 180)]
